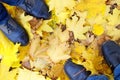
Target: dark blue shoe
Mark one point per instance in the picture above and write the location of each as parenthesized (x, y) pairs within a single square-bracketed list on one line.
[(11, 29), (36, 8), (111, 53), (75, 72)]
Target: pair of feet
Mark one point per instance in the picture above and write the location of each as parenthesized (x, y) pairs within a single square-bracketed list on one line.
[(111, 53), (12, 29)]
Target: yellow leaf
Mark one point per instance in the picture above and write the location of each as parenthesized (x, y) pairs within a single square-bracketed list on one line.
[(24, 20), (23, 51), (8, 50), (94, 7), (76, 25), (61, 5), (11, 10), (98, 29), (5, 74), (114, 19), (90, 59), (25, 74), (61, 17), (62, 36), (58, 51), (79, 48), (113, 32), (44, 27)]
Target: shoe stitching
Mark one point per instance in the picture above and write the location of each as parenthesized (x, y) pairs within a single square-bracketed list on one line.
[(77, 73)]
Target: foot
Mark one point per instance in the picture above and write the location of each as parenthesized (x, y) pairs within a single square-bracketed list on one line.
[(75, 72), (36, 8), (12, 30), (111, 53)]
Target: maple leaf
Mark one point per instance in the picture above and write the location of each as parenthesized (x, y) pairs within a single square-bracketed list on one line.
[(76, 25), (116, 1), (113, 32), (25, 74), (8, 50), (37, 53), (57, 50), (44, 27), (23, 51), (11, 10), (114, 19), (99, 19), (92, 6), (89, 58), (61, 5), (24, 21), (62, 16), (62, 36), (4, 71)]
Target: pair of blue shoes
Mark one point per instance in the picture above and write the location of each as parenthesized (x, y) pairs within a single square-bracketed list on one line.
[(12, 29), (111, 53)]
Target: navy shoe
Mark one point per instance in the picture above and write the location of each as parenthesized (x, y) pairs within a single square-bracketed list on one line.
[(75, 72), (12, 30), (36, 8), (111, 53)]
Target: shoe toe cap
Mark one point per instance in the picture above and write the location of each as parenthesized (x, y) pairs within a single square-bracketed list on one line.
[(23, 39), (111, 52), (75, 72)]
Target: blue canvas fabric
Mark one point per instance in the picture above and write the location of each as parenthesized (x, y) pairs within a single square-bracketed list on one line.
[(12, 2), (36, 8), (97, 77), (78, 72), (3, 14), (12, 29), (111, 53), (117, 73), (75, 72)]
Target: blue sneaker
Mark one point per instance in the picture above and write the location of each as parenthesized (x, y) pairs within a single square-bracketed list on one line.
[(11, 29), (75, 72), (111, 53), (36, 8)]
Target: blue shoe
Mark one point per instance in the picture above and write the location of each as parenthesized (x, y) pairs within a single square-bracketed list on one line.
[(11, 29), (97, 77), (111, 53), (36, 8), (75, 72)]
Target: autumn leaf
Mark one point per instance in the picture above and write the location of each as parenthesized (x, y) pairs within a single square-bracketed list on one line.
[(25, 74), (8, 50), (11, 10), (4, 71), (89, 58), (44, 27), (76, 25), (94, 7), (24, 21), (114, 19), (61, 5), (57, 50), (63, 36), (113, 32), (61, 17), (98, 29)]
